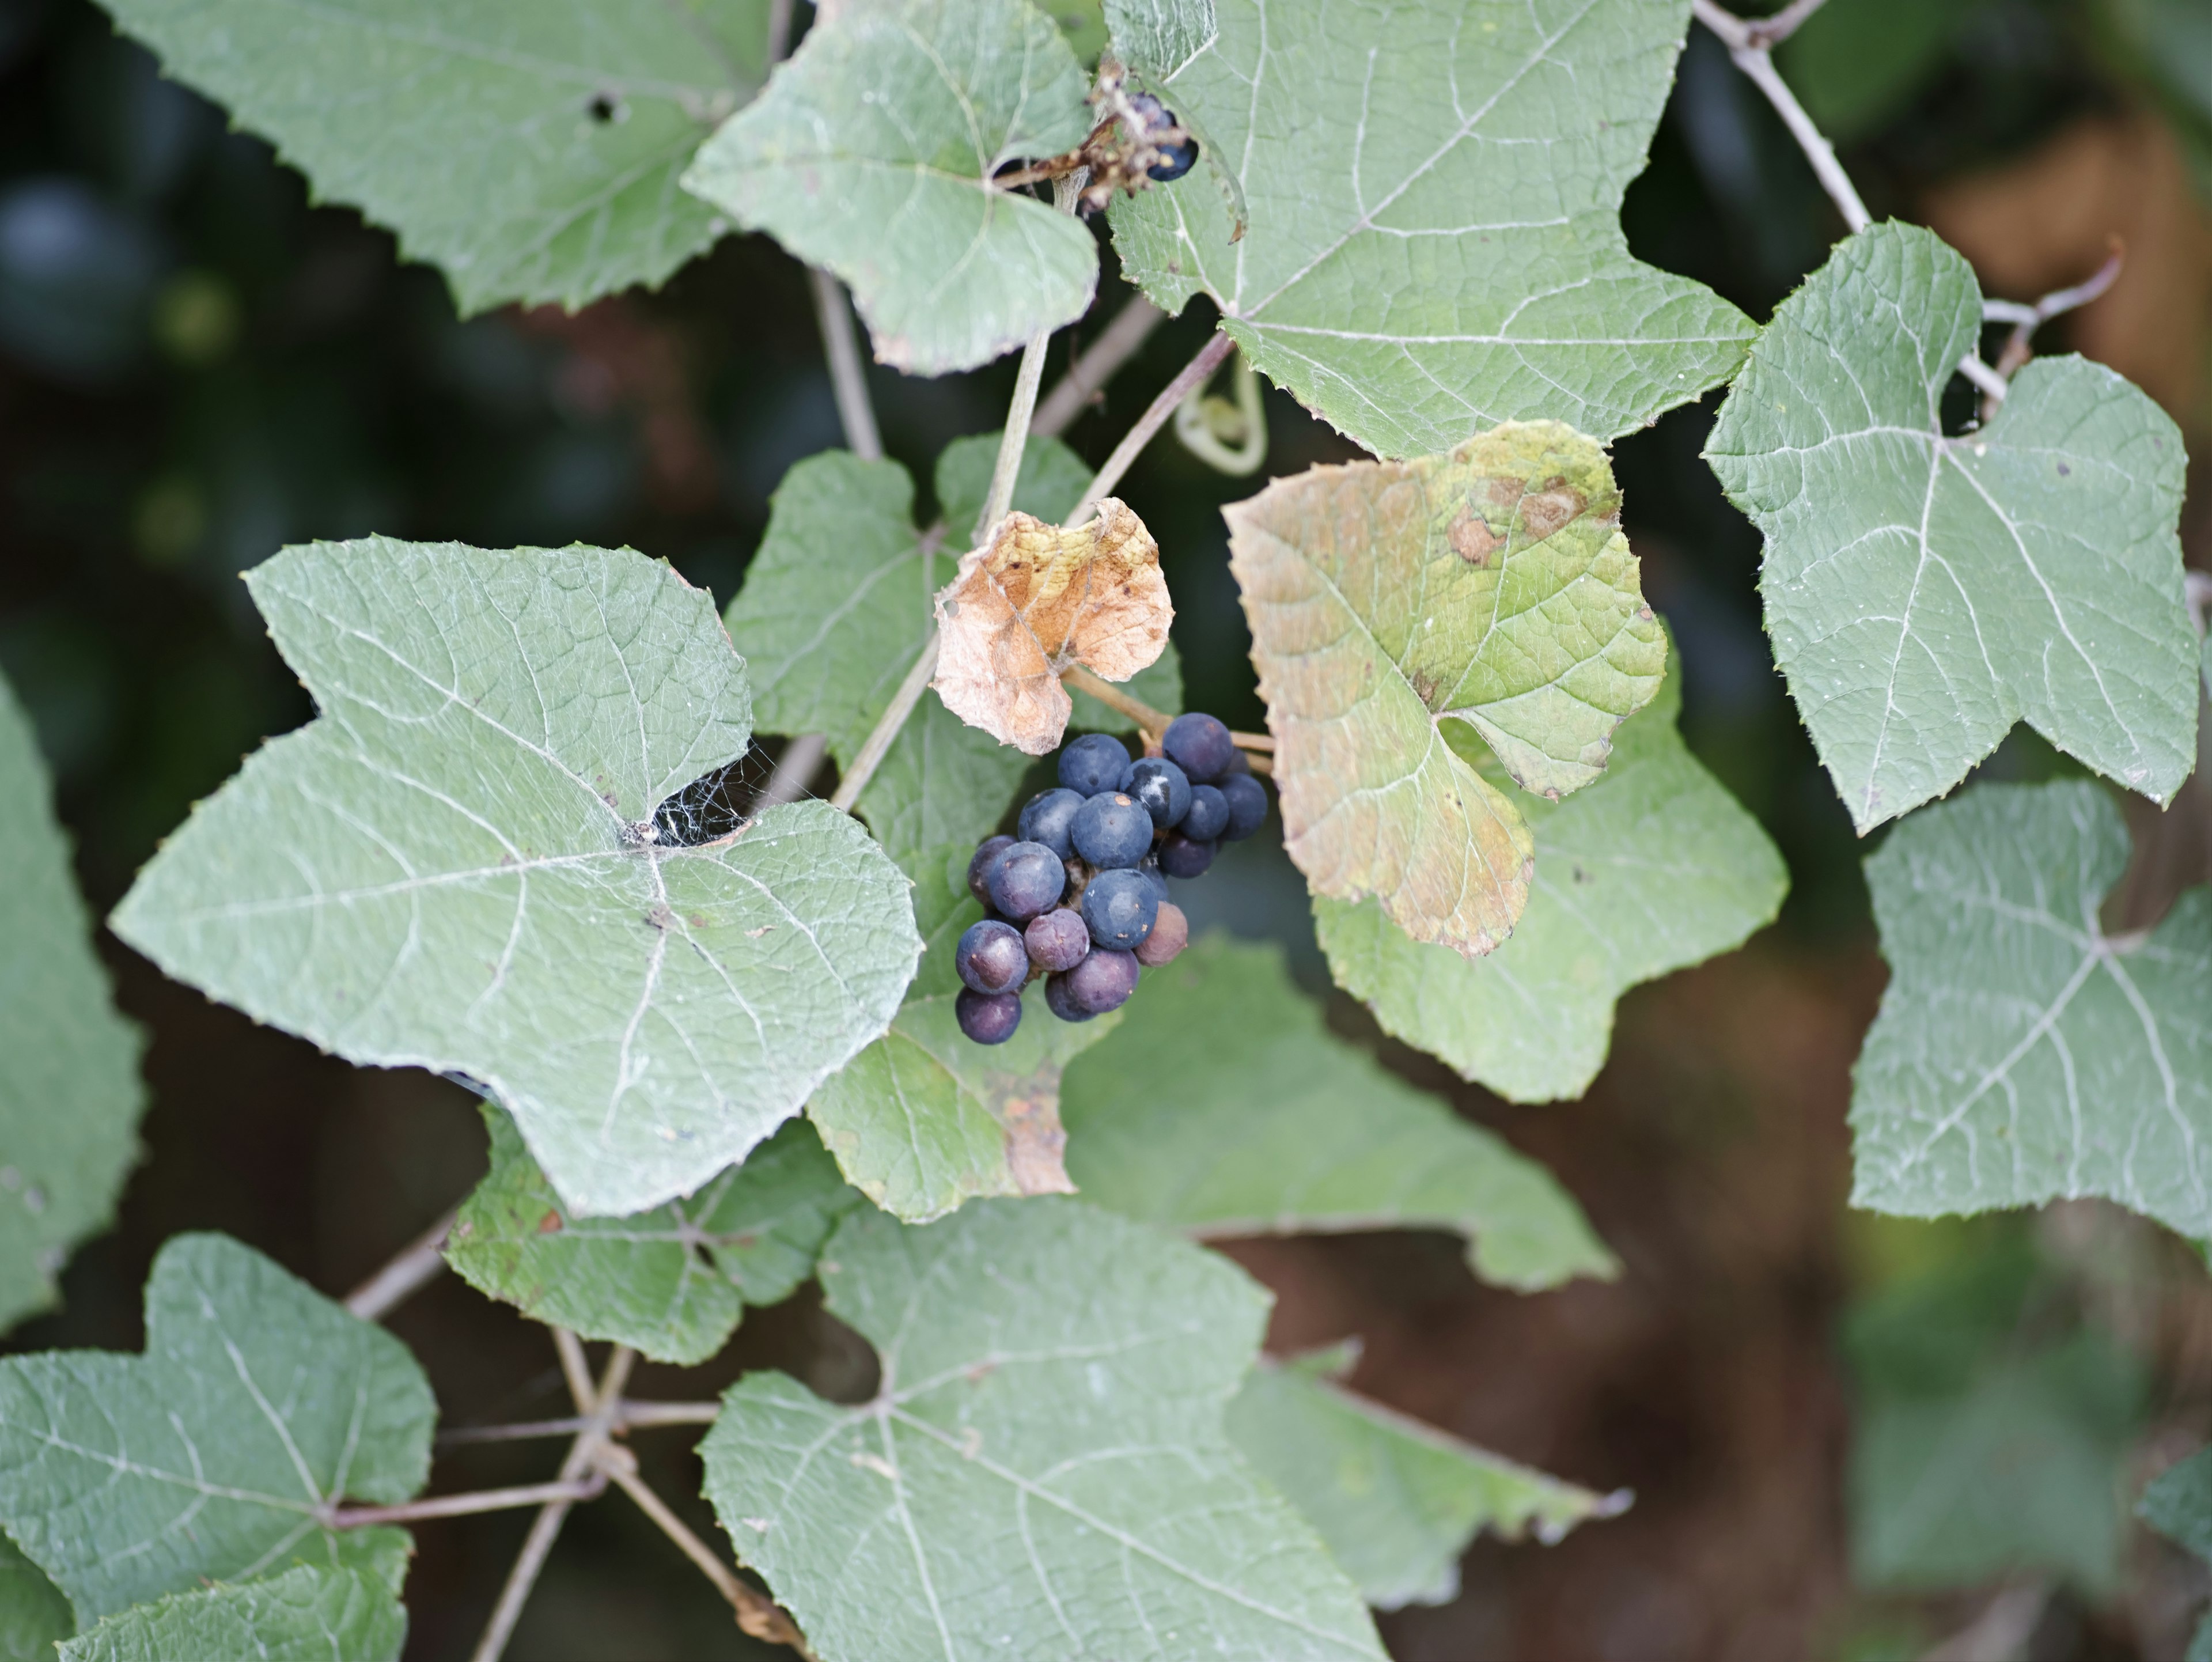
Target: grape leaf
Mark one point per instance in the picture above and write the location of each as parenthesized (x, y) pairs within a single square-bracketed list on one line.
[(1925, 592), (34, 1617), (2021, 1054), (1043, 1473), (1396, 1501), (1653, 867), (70, 1095), (1050, 483), (2177, 1504), (219, 1453), (1038, 600), (925, 1118), (304, 1615), (871, 153), (1272, 1126), (1159, 36), (670, 1282), (458, 864), (1491, 587), (1431, 195), (529, 147)]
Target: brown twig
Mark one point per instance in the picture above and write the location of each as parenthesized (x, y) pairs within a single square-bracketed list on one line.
[(2026, 320), (1079, 387), (1196, 373), (461, 1506), (417, 1263), (848, 376), (630, 1415), (1751, 44)]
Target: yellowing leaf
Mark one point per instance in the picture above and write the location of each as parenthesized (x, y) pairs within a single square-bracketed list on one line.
[(1036, 598), (1491, 587)]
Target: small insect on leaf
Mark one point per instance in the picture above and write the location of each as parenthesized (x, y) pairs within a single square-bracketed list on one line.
[(1035, 600)]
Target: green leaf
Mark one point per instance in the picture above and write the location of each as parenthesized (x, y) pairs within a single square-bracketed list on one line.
[(1925, 592), (1396, 1501), (670, 1282), (872, 152), (458, 865), (2177, 1503), (258, 1405), (1390, 601), (34, 1617), (529, 147), (925, 1118), (1043, 1474), (304, 1615), (2021, 1054), (70, 1095), (1654, 867), (1158, 37), (1432, 194), (1273, 1126), (1050, 483)]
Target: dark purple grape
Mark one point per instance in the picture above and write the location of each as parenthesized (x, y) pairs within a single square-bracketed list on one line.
[(987, 1017), (1239, 763), (1175, 160), (1149, 869), (1200, 746), (1209, 814), (1248, 806), (1047, 817), (1027, 878), (1057, 939), (1185, 856), (1101, 982), (1161, 788), (1119, 908), (1112, 831), (1093, 763), (1171, 935), (990, 958), (979, 868)]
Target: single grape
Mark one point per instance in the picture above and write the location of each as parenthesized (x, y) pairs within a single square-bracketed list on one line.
[(990, 957), (1119, 908), (1047, 817), (1149, 869), (1185, 856), (1057, 939), (1112, 831), (1027, 878), (1200, 746), (1239, 763), (979, 868), (1248, 806), (1171, 935), (987, 1017), (1093, 763), (1209, 814), (1175, 160), (1161, 788), (1101, 982)]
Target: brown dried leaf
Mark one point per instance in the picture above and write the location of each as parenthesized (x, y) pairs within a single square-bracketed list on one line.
[(1038, 598)]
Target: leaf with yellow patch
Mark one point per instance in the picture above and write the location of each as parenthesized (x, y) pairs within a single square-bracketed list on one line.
[(1038, 598), (1490, 586)]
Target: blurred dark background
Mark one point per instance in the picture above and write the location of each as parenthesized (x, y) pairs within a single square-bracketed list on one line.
[(198, 366)]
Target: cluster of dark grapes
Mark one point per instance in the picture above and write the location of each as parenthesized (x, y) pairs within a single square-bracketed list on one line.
[(1081, 897)]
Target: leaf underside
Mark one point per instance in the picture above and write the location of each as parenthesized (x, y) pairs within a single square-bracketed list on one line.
[(530, 149), (308, 1613), (1923, 592), (1654, 867), (1433, 191), (1044, 1473), (2021, 1054), (1275, 1127)]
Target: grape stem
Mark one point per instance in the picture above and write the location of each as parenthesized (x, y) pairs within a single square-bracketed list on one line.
[(420, 1260), (1151, 722)]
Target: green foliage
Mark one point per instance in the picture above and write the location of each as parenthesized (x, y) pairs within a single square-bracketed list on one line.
[(2177, 1504), (217, 1455), (871, 155), (1396, 1501), (672, 1282), (1984, 1447), (34, 1617), (1432, 194), (458, 864), (2021, 1054), (1043, 1473), (304, 1615), (1274, 1126), (1392, 603), (529, 147), (1652, 869), (1925, 592), (70, 1095), (1156, 37)]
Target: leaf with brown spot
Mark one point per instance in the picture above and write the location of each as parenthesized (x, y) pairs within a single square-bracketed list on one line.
[(1491, 587), (1038, 598)]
